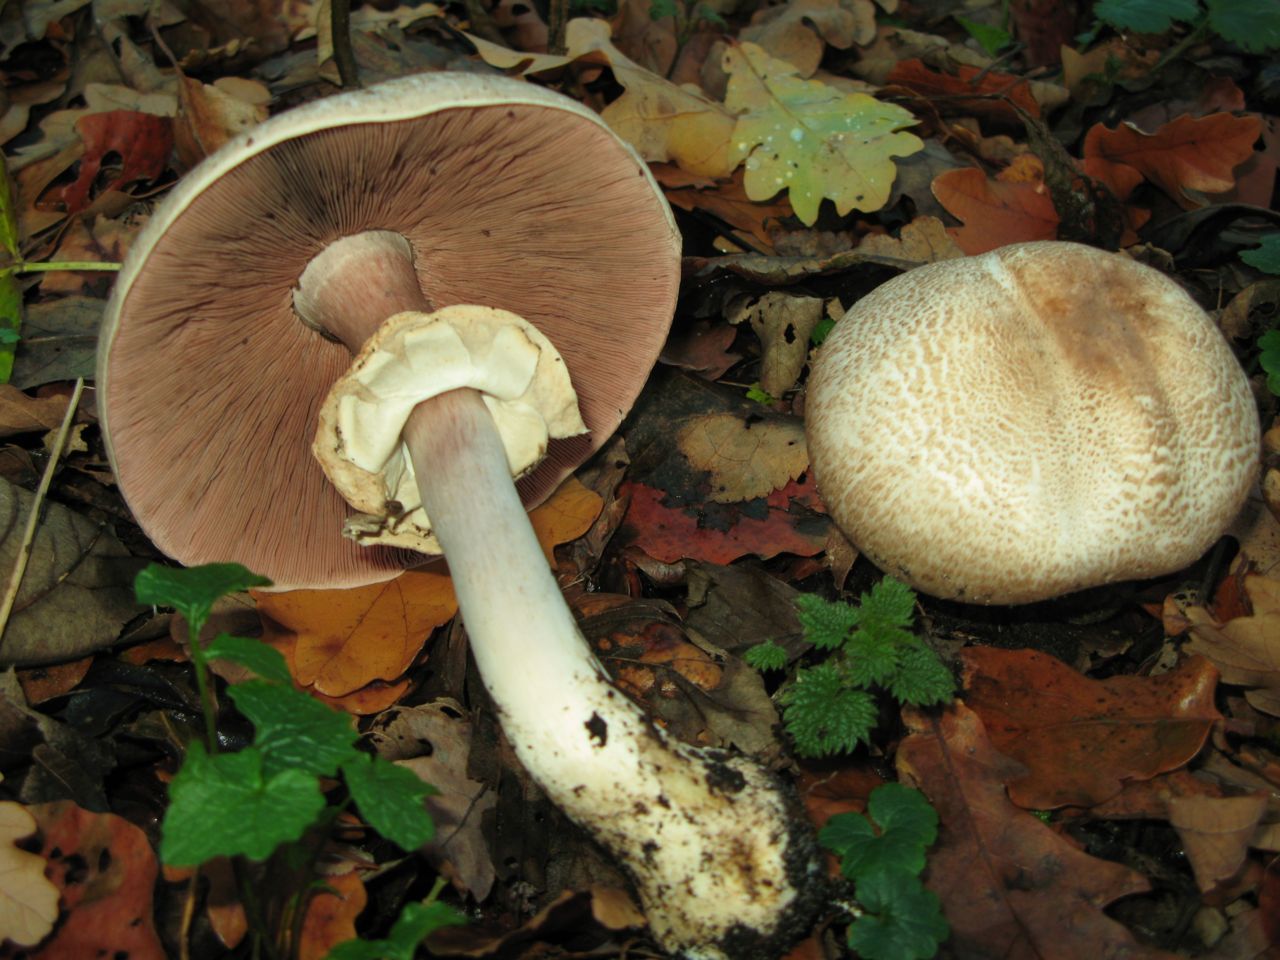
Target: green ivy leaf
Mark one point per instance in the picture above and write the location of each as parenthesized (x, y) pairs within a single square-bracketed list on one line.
[(417, 921), (1269, 358), (223, 806), (907, 826), (390, 799), (1146, 16), (192, 591), (991, 39), (1265, 257), (1251, 25), (826, 625), (824, 715), (294, 730), (766, 656), (264, 660), (903, 920), (922, 679)]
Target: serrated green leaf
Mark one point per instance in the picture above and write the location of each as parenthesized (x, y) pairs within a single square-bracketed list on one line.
[(391, 799), (1251, 25), (294, 731), (810, 139), (416, 922), (824, 715), (891, 603), (1269, 359), (826, 625), (1146, 16), (192, 591), (766, 656), (224, 806), (921, 679), (873, 657), (991, 39), (266, 661), (903, 920), (1265, 257)]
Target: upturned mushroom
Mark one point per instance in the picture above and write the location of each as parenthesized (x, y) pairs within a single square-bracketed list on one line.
[(1023, 424), (504, 270)]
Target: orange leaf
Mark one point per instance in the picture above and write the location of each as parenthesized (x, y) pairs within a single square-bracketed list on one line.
[(964, 84), (368, 700), (1010, 885), (331, 915), (106, 871), (567, 515), (995, 213), (1188, 153), (346, 639), (1081, 739)]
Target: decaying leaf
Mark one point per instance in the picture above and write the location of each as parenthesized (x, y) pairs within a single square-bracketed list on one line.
[(809, 139), (995, 212), (78, 588), (797, 32), (434, 741), (1081, 739), (106, 870), (331, 915), (784, 323), (923, 240), (1010, 885), (744, 459), (28, 901), (211, 114), (59, 341), (1216, 833), (1244, 649)]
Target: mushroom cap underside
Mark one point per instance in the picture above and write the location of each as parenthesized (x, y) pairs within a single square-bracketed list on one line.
[(511, 196), (1030, 422)]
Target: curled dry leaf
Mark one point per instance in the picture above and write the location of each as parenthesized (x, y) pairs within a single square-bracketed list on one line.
[(1010, 885), (1244, 649), (798, 32), (783, 322), (1188, 153), (744, 459), (1216, 833), (28, 901), (1081, 739)]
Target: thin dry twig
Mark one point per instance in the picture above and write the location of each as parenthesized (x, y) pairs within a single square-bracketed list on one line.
[(33, 518)]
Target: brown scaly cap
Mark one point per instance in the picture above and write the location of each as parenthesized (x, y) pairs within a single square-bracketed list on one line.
[(511, 196), (1033, 421)]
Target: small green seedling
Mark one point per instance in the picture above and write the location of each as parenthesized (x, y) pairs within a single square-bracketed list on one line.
[(265, 802), (883, 853), (832, 707)]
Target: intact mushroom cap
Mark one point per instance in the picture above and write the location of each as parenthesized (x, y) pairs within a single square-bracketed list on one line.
[(1033, 421), (511, 196)]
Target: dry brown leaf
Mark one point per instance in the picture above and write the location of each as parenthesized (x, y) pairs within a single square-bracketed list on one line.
[(565, 516), (743, 459), (1243, 649), (783, 322), (923, 240), (1010, 885), (211, 114), (1188, 153), (20, 413), (331, 915), (28, 901), (1081, 739), (798, 32), (44, 683), (1216, 833), (346, 639), (995, 212)]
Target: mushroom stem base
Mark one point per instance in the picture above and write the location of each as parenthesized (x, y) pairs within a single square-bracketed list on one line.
[(723, 862)]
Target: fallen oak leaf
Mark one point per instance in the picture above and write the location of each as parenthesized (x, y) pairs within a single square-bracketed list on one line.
[(1216, 833), (143, 141), (1189, 153), (745, 459), (984, 92), (798, 32), (810, 139), (1080, 739), (1010, 885), (995, 213)]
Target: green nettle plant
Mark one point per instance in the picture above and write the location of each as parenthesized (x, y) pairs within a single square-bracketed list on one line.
[(833, 706), (1266, 257), (1252, 26), (268, 806)]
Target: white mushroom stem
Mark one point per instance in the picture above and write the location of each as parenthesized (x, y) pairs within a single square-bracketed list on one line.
[(710, 840), (721, 856)]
